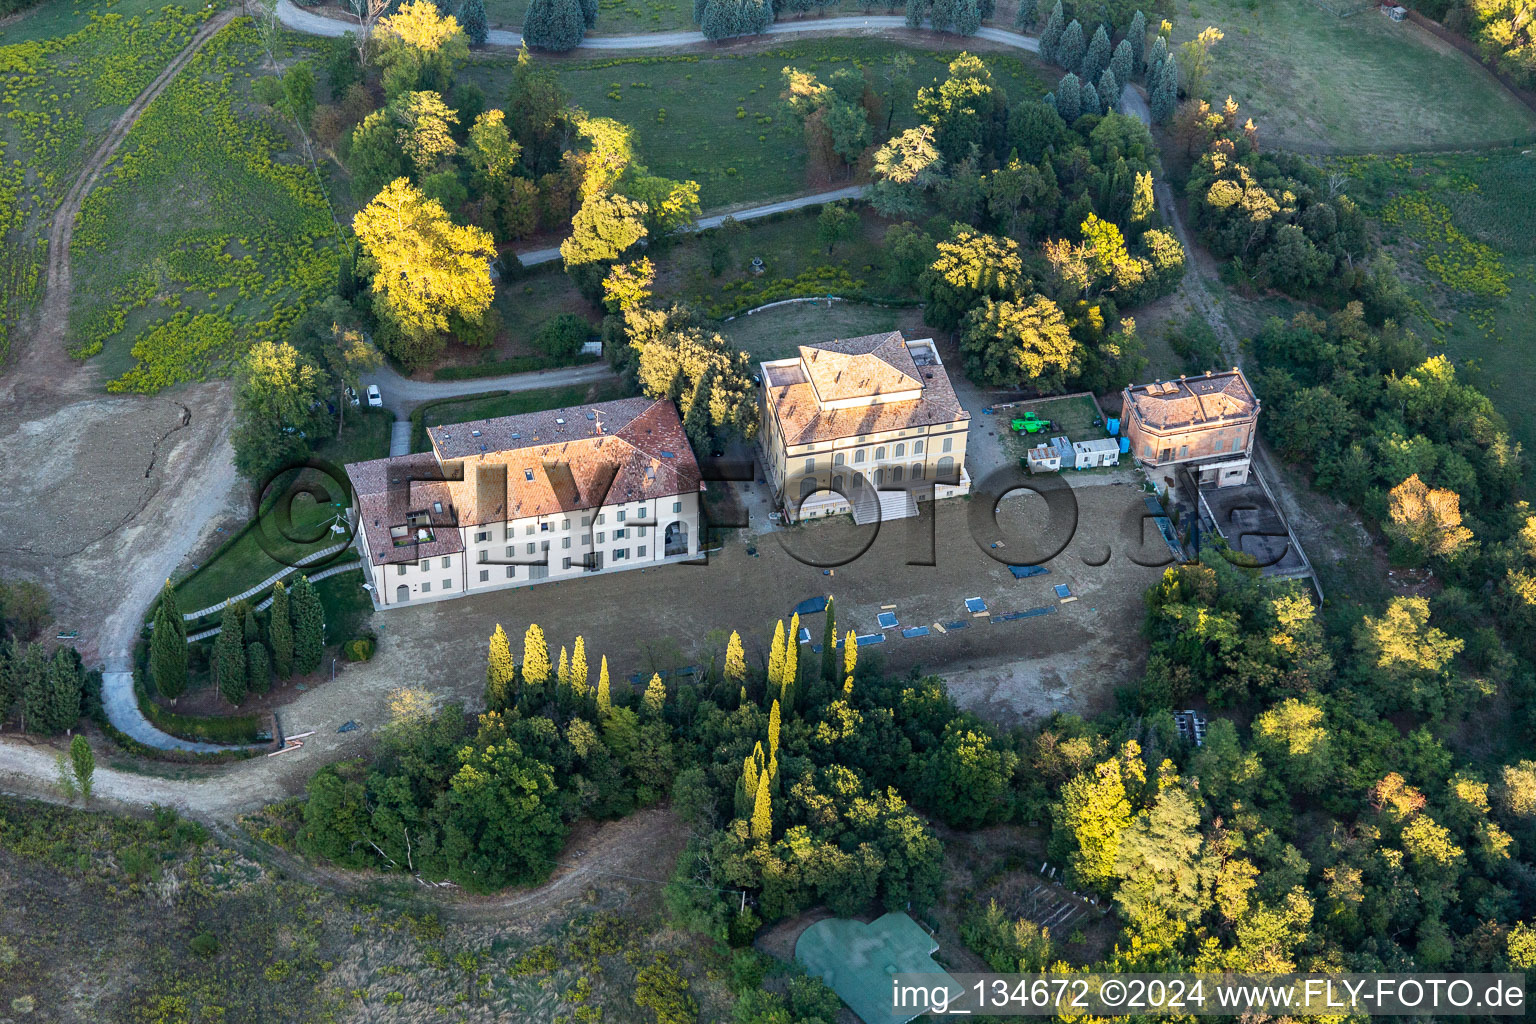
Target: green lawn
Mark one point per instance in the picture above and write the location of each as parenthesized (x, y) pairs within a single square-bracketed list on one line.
[(1358, 84), (778, 333), (716, 118), (208, 234), (505, 403), (1459, 225)]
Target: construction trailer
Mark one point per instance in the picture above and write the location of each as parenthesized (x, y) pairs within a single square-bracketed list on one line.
[(1043, 459), (1091, 454)]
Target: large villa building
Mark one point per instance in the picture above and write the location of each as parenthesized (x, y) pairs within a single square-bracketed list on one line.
[(517, 500), (1206, 422), (865, 425)]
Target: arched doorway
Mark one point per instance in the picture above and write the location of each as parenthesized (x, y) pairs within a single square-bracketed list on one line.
[(677, 539), (402, 594)]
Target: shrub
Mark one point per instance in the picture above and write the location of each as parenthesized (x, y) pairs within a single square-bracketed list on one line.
[(359, 648), (563, 336)]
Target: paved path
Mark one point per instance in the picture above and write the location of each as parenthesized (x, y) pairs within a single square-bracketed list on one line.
[(402, 394), (313, 24), (400, 437), (264, 584)]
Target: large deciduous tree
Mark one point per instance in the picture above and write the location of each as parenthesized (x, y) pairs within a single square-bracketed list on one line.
[(904, 169), (970, 267), (1016, 344), (275, 391)]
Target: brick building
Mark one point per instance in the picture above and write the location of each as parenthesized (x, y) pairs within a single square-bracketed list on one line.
[(1207, 422)]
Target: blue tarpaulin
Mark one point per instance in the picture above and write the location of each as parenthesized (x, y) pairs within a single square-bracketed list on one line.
[(887, 620), (805, 635), (1028, 614), (869, 638), (915, 631), (1062, 590), (1024, 572), (975, 604), (957, 624), (811, 606)]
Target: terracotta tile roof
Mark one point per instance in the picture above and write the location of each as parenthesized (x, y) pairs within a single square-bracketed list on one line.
[(633, 449), (875, 364), (804, 421), (400, 490), (1193, 401)]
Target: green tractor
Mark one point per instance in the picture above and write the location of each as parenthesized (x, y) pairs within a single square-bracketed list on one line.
[(1029, 423)]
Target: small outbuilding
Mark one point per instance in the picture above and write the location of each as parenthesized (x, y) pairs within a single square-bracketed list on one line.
[(1043, 459), (1091, 454)]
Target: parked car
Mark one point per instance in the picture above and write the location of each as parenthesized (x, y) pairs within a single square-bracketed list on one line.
[(352, 397), (375, 400)]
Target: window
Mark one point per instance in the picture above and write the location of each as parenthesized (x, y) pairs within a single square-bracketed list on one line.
[(640, 551), (511, 550), (917, 471), (1146, 449), (600, 536), (510, 532), (642, 512), (482, 536), (426, 564), (810, 465), (641, 531), (1220, 445), (485, 575), (528, 530), (1183, 450), (586, 520), (447, 562), (565, 545), (543, 527), (917, 447), (621, 515), (528, 475), (538, 572), (530, 547), (837, 458), (858, 456), (511, 572), (565, 563), (401, 572), (600, 519), (949, 444), (426, 588), (485, 556), (619, 554), (565, 524), (620, 534), (901, 450), (880, 453), (586, 539), (677, 506), (447, 584)]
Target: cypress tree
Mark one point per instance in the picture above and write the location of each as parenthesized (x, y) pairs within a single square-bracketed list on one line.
[(773, 730), (699, 7), (1097, 57), (1088, 98), (1050, 101), (850, 659), (500, 673), (1123, 63), (1155, 58), (792, 658), (65, 687), (1136, 35), (1025, 15), (258, 667), (168, 648), (580, 677), (229, 655), (308, 627), (762, 811), (1109, 91), (735, 659), (32, 684), (829, 645), (1069, 98), (776, 659), (557, 25), (472, 20), (1069, 52), (654, 700), (1050, 38), (917, 10), (83, 759), (589, 12), (280, 632), (755, 16), (967, 17), (747, 790), (535, 657), (8, 693), (1166, 99), (604, 701), (563, 672)]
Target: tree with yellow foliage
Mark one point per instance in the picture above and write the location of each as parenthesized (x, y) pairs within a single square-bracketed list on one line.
[(428, 273), (735, 659), (762, 811), (604, 701), (535, 656), (500, 671), (1426, 518), (418, 46), (578, 676)]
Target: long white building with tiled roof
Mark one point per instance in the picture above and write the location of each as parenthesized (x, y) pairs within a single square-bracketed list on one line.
[(517, 500), (865, 425)]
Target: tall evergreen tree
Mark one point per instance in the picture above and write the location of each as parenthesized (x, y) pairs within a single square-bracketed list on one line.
[(168, 648), (500, 673), (654, 700), (258, 667), (1050, 38), (917, 10), (1089, 99), (9, 695), (774, 724), (850, 659), (1025, 15), (762, 811), (1123, 62), (32, 684), (308, 627), (563, 669), (557, 25), (1136, 35), (229, 655), (66, 689), (1109, 91), (604, 700), (1166, 100), (280, 632), (735, 659), (1097, 57), (967, 17), (1069, 98), (748, 789), (829, 645), (1154, 60), (535, 657), (472, 20), (83, 760), (791, 661), (776, 659), (580, 677), (1069, 52)]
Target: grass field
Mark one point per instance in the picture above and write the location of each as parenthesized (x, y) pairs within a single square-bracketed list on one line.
[(66, 72), (504, 403), (1460, 227), (209, 233), (717, 118), (778, 333), (1358, 84)]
